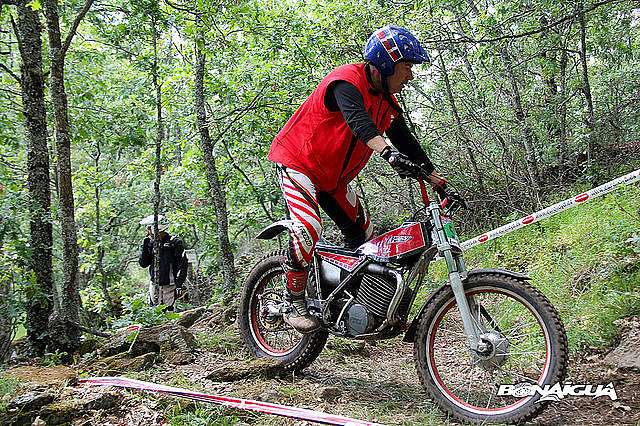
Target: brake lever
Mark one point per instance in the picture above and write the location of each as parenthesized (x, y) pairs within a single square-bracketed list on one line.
[(450, 206), (447, 207)]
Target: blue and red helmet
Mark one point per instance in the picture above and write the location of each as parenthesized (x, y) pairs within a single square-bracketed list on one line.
[(389, 45)]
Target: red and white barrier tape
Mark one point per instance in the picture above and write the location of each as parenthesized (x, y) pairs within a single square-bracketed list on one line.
[(554, 209), (243, 404)]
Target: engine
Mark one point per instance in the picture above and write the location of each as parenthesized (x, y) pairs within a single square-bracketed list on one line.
[(372, 302)]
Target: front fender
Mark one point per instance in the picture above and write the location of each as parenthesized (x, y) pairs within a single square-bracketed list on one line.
[(410, 335), (512, 274)]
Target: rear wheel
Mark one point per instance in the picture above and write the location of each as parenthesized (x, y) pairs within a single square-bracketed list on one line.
[(525, 345), (265, 333)]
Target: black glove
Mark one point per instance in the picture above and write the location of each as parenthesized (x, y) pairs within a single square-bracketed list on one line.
[(457, 198), (400, 162), (449, 195)]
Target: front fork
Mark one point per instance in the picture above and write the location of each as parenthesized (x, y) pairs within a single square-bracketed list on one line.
[(457, 272)]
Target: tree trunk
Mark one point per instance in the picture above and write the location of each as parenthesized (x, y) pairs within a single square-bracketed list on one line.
[(178, 140), (206, 146), (531, 162), (7, 327), (586, 87), (159, 139), (549, 65), (527, 133), (562, 111), (67, 334), (99, 247), (463, 26), (39, 299)]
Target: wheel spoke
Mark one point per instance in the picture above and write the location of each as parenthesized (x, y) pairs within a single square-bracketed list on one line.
[(519, 376), (519, 327), (453, 332)]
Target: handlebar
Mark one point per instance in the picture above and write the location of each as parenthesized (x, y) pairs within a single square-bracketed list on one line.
[(450, 199)]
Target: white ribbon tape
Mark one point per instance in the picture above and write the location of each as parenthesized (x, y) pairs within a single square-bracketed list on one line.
[(554, 209), (243, 404)]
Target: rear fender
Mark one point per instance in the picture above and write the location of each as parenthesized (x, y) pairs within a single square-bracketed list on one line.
[(410, 335), (277, 228)]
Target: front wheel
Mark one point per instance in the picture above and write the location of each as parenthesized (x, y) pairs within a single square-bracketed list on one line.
[(266, 334), (525, 345)]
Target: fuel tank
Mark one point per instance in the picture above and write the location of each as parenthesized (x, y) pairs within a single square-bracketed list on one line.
[(394, 246)]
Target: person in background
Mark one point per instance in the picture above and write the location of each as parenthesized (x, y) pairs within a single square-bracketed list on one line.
[(173, 263), (328, 141)]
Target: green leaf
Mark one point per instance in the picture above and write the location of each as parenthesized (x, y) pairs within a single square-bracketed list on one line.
[(35, 5)]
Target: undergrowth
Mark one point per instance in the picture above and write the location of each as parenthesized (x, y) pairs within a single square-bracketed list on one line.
[(8, 385)]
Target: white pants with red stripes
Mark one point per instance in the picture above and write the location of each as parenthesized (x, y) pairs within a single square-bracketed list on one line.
[(303, 198)]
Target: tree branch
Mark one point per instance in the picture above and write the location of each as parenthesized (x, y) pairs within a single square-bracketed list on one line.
[(11, 73), (18, 36), (536, 31), (188, 9), (89, 330), (76, 23)]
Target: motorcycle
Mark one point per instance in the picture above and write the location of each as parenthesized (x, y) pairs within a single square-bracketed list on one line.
[(480, 330)]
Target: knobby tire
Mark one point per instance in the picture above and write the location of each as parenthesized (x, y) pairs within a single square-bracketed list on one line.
[(529, 341), (272, 337)]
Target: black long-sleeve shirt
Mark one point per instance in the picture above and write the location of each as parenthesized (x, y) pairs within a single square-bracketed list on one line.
[(345, 97)]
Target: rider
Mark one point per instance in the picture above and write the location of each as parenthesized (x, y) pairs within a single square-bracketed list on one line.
[(328, 141)]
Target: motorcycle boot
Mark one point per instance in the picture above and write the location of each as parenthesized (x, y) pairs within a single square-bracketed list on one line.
[(299, 317)]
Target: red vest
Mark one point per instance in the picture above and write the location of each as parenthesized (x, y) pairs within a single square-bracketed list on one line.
[(319, 143)]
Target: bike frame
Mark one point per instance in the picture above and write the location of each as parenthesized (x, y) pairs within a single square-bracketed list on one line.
[(443, 246)]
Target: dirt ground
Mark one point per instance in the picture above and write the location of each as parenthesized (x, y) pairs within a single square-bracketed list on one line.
[(371, 382), (574, 410)]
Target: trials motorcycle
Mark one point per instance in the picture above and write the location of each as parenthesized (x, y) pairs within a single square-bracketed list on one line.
[(481, 330)]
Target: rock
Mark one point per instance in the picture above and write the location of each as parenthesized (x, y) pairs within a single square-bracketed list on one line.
[(329, 393), (627, 354), (89, 344), (188, 318), (102, 401), (202, 322), (349, 347), (19, 351), (216, 316), (125, 340), (60, 413), (124, 362), (177, 345), (46, 376), (173, 342), (624, 357), (30, 401), (223, 315), (271, 395), (38, 422), (264, 367)]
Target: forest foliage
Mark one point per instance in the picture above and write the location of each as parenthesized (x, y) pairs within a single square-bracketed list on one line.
[(523, 102)]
